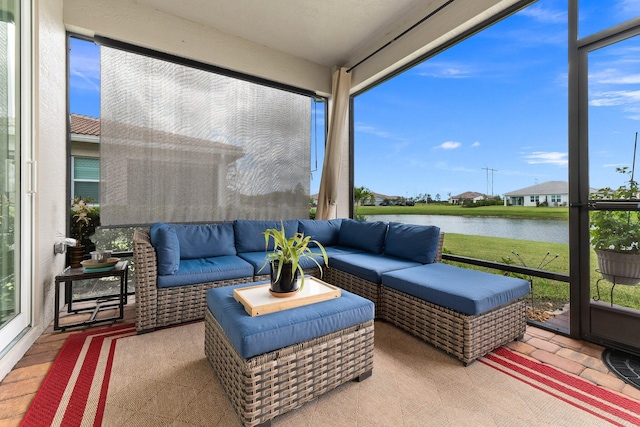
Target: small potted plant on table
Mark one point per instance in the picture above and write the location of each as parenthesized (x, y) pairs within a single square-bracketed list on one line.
[(285, 260), (83, 223)]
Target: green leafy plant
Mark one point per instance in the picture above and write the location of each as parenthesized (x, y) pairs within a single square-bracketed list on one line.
[(84, 219), (615, 230), (291, 250)]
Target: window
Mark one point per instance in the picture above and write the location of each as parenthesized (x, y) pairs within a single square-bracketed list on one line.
[(85, 178), (535, 199), (556, 198)]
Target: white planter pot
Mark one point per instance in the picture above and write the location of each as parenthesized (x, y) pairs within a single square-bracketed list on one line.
[(619, 268)]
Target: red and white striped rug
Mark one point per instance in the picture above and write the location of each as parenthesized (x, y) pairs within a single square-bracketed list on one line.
[(605, 404), (75, 389)]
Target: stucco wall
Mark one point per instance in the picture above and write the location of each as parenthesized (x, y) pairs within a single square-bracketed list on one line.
[(51, 152)]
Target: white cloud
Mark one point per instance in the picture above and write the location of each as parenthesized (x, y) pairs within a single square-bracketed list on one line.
[(446, 70), (615, 97), (613, 75), (630, 6), (85, 65), (476, 144), (545, 15), (359, 127), (449, 145), (85, 83), (547, 157)]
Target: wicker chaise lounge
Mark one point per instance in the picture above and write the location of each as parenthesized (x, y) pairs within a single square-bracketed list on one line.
[(497, 318)]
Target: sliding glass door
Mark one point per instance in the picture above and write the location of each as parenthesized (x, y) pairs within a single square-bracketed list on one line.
[(14, 301)]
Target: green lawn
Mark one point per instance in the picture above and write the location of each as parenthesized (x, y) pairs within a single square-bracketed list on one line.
[(448, 209), (549, 294)]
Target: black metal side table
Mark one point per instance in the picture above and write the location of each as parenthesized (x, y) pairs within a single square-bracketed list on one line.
[(69, 275)]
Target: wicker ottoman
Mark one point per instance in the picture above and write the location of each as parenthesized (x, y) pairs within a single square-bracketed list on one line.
[(466, 313), (263, 386)]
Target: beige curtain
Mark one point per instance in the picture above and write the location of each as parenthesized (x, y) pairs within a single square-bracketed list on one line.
[(333, 151)]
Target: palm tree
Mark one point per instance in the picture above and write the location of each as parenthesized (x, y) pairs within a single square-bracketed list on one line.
[(360, 195)]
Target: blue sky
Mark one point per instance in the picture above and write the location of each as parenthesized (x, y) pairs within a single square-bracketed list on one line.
[(497, 100)]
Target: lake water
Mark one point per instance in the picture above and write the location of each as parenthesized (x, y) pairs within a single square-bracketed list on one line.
[(541, 230)]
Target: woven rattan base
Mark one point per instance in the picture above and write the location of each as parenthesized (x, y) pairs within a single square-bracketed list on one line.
[(354, 284), (466, 337), (265, 386)]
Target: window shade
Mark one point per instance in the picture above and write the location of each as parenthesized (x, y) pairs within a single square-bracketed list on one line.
[(180, 144), (86, 168)]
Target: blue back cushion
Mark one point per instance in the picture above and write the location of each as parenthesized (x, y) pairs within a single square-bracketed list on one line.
[(165, 241), (249, 234), (417, 243), (368, 236), (324, 231), (205, 241)]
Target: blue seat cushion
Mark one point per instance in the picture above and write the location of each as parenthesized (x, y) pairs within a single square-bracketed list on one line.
[(252, 336), (460, 289), (203, 270), (256, 259), (338, 250), (369, 266), (165, 241), (417, 243), (324, 231), (249, 234), (205, 241)]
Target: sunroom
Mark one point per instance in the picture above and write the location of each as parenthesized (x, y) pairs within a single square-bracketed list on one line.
[(296, 61)]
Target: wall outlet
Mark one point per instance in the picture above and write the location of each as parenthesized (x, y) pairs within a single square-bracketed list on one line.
[(59, 248)]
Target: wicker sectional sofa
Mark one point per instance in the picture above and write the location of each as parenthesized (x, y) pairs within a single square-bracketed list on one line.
[(464, 312), (177, 263)]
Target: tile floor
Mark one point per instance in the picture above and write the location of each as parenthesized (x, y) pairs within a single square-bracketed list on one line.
[(19, 387)]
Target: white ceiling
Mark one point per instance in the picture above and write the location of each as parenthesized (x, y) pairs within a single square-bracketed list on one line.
[(326, 32), (295, 42)]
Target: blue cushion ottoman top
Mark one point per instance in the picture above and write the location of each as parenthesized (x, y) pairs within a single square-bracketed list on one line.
[(460, 289), (252, 336)]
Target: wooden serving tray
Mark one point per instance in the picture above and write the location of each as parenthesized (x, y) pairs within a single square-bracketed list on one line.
[(258, 301)]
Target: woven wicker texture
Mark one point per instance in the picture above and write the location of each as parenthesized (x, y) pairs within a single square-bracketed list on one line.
[(265, 386), (156, 307), (466, 337), (356, 285)]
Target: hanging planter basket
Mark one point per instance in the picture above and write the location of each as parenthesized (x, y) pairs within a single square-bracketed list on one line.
[(618, 267)]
